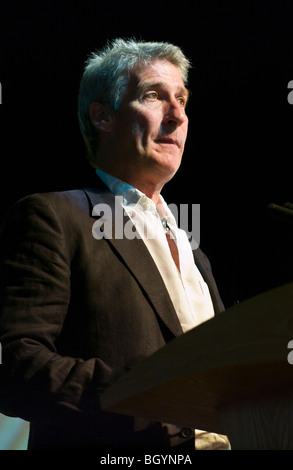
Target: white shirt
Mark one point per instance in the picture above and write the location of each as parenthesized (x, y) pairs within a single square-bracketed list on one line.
[(187, 289)]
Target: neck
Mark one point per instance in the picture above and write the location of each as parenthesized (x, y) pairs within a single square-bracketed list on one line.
[(148, 186), (151, 191)]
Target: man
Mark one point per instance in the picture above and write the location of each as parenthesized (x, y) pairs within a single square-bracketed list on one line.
[(81, 306)]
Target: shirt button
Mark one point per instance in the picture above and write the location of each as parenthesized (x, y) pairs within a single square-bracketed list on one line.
[(186, 433)]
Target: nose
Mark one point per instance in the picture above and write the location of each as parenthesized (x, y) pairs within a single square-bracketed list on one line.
[(174, 113)]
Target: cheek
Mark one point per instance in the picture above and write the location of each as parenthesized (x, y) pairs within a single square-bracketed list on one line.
[(185, 131), (143, 128)]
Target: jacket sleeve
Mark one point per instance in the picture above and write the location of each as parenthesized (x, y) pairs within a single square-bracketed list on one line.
[(36, 382)]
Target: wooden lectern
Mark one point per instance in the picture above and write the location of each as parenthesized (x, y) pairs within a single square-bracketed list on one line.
[(230, 375)]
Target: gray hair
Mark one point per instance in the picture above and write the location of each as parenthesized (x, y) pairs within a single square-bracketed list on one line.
[(106, 76)]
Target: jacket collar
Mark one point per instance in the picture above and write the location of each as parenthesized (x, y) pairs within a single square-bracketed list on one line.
[(136, 256)]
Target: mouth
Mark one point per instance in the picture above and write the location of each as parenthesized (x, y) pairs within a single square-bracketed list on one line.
[(168, 141)]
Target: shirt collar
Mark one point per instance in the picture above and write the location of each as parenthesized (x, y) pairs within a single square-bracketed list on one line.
[(133, 196)]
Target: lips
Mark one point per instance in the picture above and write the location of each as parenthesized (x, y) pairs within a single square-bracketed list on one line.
[(168, 141)]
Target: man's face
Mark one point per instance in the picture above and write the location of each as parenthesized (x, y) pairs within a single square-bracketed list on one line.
[(150, 128)]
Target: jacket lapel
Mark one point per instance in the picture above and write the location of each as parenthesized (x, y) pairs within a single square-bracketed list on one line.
[(204, 267), (136, 256)]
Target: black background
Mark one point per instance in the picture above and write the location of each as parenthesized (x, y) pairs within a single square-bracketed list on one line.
[(238, 154)]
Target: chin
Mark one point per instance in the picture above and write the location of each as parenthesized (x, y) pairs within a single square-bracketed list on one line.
[(168, 171), (164, 165), (172, 165)]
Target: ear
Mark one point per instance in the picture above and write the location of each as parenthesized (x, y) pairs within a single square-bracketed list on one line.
[(101, 117)]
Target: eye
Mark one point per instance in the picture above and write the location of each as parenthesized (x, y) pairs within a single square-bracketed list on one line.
[(152, 95), (181, 101)]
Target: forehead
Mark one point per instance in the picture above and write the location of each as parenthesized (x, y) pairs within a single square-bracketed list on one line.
[(159, 71)]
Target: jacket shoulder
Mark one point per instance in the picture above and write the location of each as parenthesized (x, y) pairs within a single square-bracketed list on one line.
[(57, 201), (41, 212)]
